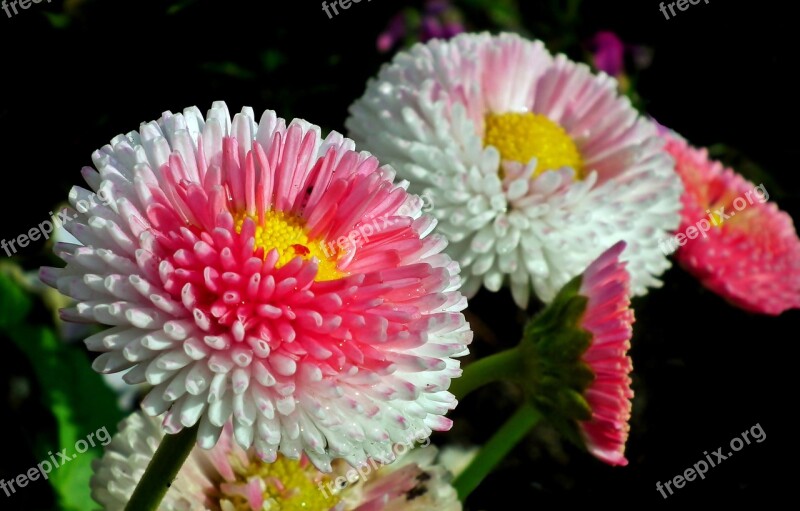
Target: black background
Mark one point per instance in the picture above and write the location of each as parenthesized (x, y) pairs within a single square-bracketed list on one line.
[(722, 73)]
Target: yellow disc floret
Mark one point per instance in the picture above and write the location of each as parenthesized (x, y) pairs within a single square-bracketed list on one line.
[(522, 136), (287, 234), (287, 485)]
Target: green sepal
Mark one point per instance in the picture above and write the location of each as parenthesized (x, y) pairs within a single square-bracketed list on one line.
[(552, 348)]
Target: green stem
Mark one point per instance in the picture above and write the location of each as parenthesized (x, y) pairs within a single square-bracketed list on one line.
[(162, 469), (501, 443), (500, 366)]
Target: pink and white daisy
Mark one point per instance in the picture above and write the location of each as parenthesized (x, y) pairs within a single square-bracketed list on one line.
[(228, 478), (609, 319), (534, 164), (254, 270), (735, 242)]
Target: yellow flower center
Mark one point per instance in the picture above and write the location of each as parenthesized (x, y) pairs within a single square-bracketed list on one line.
[(287, 485), (737, 217), (716, 219), (287, 234), (522, 136)]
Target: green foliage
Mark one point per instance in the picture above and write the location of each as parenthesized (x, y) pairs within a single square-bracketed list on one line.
[(80, 402), (58, 20), (503, 13)]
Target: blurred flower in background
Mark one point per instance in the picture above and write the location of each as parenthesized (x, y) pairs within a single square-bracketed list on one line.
[(608, 53), (438, 19), (731, 238)]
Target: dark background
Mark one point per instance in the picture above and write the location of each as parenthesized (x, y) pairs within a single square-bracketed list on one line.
[(722, 73)]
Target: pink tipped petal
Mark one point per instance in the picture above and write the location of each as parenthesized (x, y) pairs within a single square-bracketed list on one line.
[(608, 317)]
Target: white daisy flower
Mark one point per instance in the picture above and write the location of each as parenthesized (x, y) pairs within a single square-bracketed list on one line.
[(535, 165)]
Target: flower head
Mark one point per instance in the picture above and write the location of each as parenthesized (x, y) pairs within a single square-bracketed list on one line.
[(576, 362), (535, 164), (735, 242), (256, 271), (608, 53), (228, 478), (609, 319)]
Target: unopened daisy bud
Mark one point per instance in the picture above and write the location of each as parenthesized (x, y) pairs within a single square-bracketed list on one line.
[(228, 259), (575, 362)]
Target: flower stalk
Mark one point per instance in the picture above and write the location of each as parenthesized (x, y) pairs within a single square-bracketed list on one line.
[(497, 448), (162, 469), (499, 366)]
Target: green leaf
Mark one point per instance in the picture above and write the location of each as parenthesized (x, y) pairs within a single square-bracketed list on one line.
[(502, 13), (58, 20), (229, 69), (80, 401), (272, 59), (14, 301), (178, 7)]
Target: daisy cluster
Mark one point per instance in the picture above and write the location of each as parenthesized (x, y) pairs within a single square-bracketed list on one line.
[(295, 301)]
